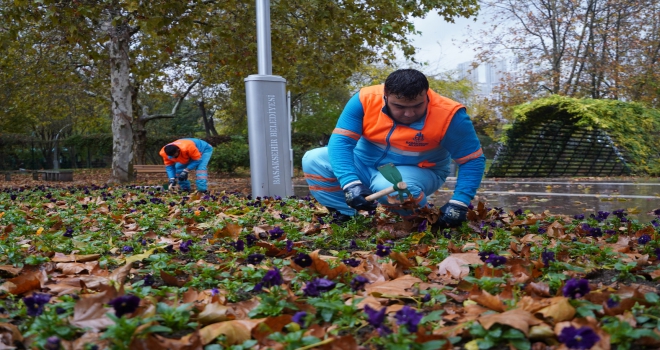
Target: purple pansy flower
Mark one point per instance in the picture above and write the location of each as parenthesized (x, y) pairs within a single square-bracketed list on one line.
[(383, 250), (576, 288), (148, 280), (547, 257), (299, 318), (239, 246), (251, 239), (289, 245), (303, 260), (612, 301), (643, 239), (318, 286), (352, 262), (595, 232), (496, 260), (578, 338), (408, 317), (422, 226), (484, 255), (255, 258), (376, 318), (185, 246), (358, 283), (270, 279), (125, 304), (276, 233), (35, 303), (53, 343)]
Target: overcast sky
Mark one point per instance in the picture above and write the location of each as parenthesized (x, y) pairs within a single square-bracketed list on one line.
[(440, 42)]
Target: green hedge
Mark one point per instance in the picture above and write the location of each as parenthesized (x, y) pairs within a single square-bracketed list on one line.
[(230, 152), (634, 127), (229, 156)]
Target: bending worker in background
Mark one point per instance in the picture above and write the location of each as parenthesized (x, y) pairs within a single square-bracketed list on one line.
[(184, 155), (405, 123)]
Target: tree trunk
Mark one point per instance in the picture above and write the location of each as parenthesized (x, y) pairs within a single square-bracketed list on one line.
[(209, 125), (140, 141), (122, 107)]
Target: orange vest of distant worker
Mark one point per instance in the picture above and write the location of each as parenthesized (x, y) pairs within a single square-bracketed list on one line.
[(188, 151), (377, 126)]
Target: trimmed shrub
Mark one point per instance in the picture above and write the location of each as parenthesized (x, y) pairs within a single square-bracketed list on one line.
[(229, 156)]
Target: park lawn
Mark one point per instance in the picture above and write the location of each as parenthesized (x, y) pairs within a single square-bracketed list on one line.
[(140, 268)]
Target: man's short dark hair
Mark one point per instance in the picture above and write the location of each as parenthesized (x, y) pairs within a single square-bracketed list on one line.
[(171, 150), (406, 83)]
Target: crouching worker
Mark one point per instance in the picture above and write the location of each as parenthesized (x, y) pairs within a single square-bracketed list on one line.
[(407, 124), (184, 155)]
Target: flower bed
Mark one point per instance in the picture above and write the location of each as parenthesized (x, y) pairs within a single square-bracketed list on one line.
[(138, 268)]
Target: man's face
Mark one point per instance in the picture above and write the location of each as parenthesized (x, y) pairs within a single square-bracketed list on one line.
[(406, 111), (176, 154)]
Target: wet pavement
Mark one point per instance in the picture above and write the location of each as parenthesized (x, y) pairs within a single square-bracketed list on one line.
[(565, 196), (559, 196)]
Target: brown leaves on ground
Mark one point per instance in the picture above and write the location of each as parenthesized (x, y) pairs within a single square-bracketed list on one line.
[(90, 311), (457, 265), (323, 268), (235, 331), (516, 318), (30, 279), (397, 288)]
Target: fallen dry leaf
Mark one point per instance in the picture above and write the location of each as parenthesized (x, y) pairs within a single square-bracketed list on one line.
[(59, 257), (9, 271), (26, 282), (560, 310), (192, 341), (394, 288), (235, 331), (214, 313), (516, 318), (488, 300), (90, 311)]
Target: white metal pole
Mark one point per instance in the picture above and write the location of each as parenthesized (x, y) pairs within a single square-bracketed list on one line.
[(263, 38)]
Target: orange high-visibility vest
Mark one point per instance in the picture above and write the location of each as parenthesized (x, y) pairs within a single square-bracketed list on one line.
[(188, 151), (377, 126)]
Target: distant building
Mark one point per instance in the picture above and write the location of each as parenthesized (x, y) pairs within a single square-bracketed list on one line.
[(485, 77)]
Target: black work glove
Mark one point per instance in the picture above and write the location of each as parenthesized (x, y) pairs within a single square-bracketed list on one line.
[(172, 182), (355, 194), (454, 213), (183, 176)]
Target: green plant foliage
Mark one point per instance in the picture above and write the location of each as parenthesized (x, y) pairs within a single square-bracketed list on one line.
[(635, 129), (227, 157)]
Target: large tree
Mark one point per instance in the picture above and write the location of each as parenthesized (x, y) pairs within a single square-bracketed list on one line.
[(138, 43), (316, 44), (127, 39), (593, 48), (41, 94)]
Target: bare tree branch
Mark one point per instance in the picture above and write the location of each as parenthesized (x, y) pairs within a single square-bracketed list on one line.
[(93, 94), (147, 117)]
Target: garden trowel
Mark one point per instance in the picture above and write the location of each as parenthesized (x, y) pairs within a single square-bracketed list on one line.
[(391, 174)]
